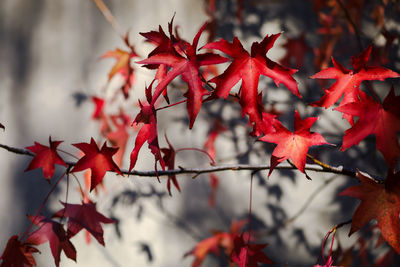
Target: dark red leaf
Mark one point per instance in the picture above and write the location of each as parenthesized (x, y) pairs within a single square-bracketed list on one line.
[(18, 254), (382, 120), (84, 216), (98, 161), (380, 202), (169, 159), (45, 158), (186, 65), (54, 233), (98, 109), (148, 131), (248, 255)]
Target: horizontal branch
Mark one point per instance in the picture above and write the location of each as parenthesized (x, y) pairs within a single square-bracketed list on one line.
[(197, 171)]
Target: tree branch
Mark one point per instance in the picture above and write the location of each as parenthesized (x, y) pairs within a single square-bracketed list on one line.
[(197, 171)]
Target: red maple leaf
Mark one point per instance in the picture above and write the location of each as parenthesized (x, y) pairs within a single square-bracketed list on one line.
[(214, 184), (248, 68), (54, 233), (119, 136), (348, 81), (98, 109), (83, 216), (295, 145), (45, 158), (296, 49), (18, 254), (212, 244), (99, 161), (148, 131), (380, 202), (248, 255), (169, 159), (187, 65), (122, 66), (164, 44), (209, 147), (382, 120)]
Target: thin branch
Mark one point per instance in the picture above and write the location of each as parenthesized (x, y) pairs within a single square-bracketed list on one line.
[(353, 25), (327, 167), (109, 16), (198, 171)]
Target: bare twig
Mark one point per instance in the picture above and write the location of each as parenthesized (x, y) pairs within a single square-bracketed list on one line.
[(353, 25), (109, 16)]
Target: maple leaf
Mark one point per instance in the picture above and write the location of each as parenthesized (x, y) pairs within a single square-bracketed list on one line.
[(380, 202), (382, 120), (248, 255), (169, 159), (212, 244), (45, 158), (83, 216), (99, 105), (348, 81), (186, 65), (18, 254), (248, 68), (54, 233), (296, 49), (119, 136), (99, 161), (2, 127), (214, 183), (209, 147), (164, 44), (295, 145), (329, 263), (148, 131), (98, 114), (216, 130), (122, 66)]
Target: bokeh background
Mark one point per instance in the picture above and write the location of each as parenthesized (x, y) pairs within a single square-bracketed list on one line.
[(50, 67)]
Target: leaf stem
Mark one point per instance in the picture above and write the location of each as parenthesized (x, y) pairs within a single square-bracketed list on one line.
[(353, 25), (69, 154), (212, 161), (45, 201), (168, 106)]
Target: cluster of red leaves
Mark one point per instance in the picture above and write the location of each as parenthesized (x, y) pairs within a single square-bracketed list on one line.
[(79, 216), (173, 56), (233, 245)]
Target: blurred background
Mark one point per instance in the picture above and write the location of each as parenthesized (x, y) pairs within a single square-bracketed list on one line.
[(50, 68)]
